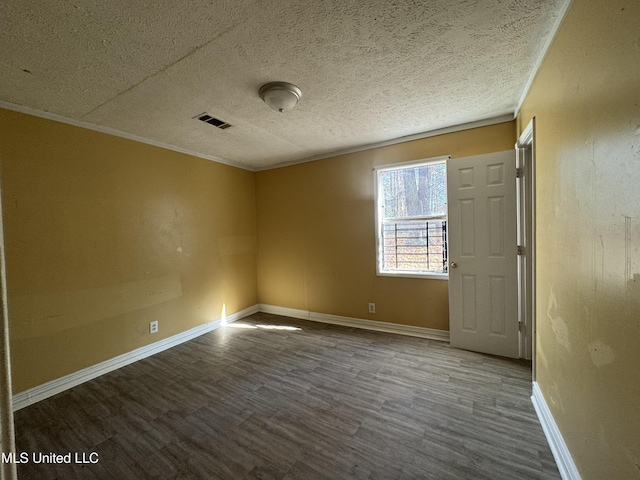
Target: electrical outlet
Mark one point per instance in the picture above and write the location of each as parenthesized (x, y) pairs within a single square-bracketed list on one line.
[(372, 308), (153, 327)]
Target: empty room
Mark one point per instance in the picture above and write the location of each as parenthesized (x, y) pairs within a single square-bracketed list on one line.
[(320, 240)]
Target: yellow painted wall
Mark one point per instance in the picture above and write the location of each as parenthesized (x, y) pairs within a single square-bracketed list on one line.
[(586, 101), (104, 235), (316, 248)]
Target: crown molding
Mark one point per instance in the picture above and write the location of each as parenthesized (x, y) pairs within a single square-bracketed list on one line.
[(543, 53), (116, 133), (508, 117)]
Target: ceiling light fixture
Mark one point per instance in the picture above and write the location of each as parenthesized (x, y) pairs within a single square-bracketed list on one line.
[(281, 96)]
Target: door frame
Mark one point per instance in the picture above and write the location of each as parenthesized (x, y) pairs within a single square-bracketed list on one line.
[(526, 154), (7, 435)]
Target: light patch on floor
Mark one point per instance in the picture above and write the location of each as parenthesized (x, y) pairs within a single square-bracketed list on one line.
[(262, 327)]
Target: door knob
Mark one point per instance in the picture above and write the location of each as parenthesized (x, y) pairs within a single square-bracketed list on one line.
[(454, 264)]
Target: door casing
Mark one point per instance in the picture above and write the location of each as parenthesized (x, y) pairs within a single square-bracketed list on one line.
[(525, 152)]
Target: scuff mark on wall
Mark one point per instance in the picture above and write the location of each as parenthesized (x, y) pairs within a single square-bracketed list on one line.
[(601, 354), (602, 259), (541, 356), (236, 245), (594, 229), (632, 456), (629, 277), (555, 398), (558, 325), (627, 239), (633, 296), (561, 331), (633, 285), (53, 312), (588, 321)]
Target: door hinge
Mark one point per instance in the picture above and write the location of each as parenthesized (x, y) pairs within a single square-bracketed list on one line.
[(519, 172), (520, 250), (521, 326)]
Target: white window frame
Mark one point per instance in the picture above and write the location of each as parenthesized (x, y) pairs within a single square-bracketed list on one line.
[(379, 216)]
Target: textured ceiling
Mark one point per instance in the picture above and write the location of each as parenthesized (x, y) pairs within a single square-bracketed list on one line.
[(370, 71)]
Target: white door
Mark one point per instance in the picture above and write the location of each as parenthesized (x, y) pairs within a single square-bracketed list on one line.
[(483, 282)]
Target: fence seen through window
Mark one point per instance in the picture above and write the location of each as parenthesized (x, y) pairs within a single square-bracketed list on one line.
[(415, 245)]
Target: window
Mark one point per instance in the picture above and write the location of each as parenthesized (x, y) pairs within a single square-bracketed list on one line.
[(411, 219)]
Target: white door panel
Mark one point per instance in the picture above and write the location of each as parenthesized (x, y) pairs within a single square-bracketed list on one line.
[(483, 253)]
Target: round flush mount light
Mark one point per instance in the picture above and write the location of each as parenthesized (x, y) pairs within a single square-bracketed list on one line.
[(281, 96)]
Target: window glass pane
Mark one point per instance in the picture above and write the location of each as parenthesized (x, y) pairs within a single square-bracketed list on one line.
[(414, 192), (412, 225)]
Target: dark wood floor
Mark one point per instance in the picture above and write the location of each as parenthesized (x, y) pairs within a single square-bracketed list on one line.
[(251, 400)]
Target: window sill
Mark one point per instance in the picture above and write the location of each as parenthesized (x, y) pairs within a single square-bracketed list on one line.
[(425, 276)]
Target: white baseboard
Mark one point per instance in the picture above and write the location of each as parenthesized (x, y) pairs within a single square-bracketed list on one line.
[(35, 394), (46, 390), (430, 333), (561, 453)]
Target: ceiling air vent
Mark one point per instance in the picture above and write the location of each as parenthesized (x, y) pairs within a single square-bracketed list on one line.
[(216, 122)]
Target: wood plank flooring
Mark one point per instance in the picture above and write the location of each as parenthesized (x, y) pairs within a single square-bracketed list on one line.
[(254, 400)]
